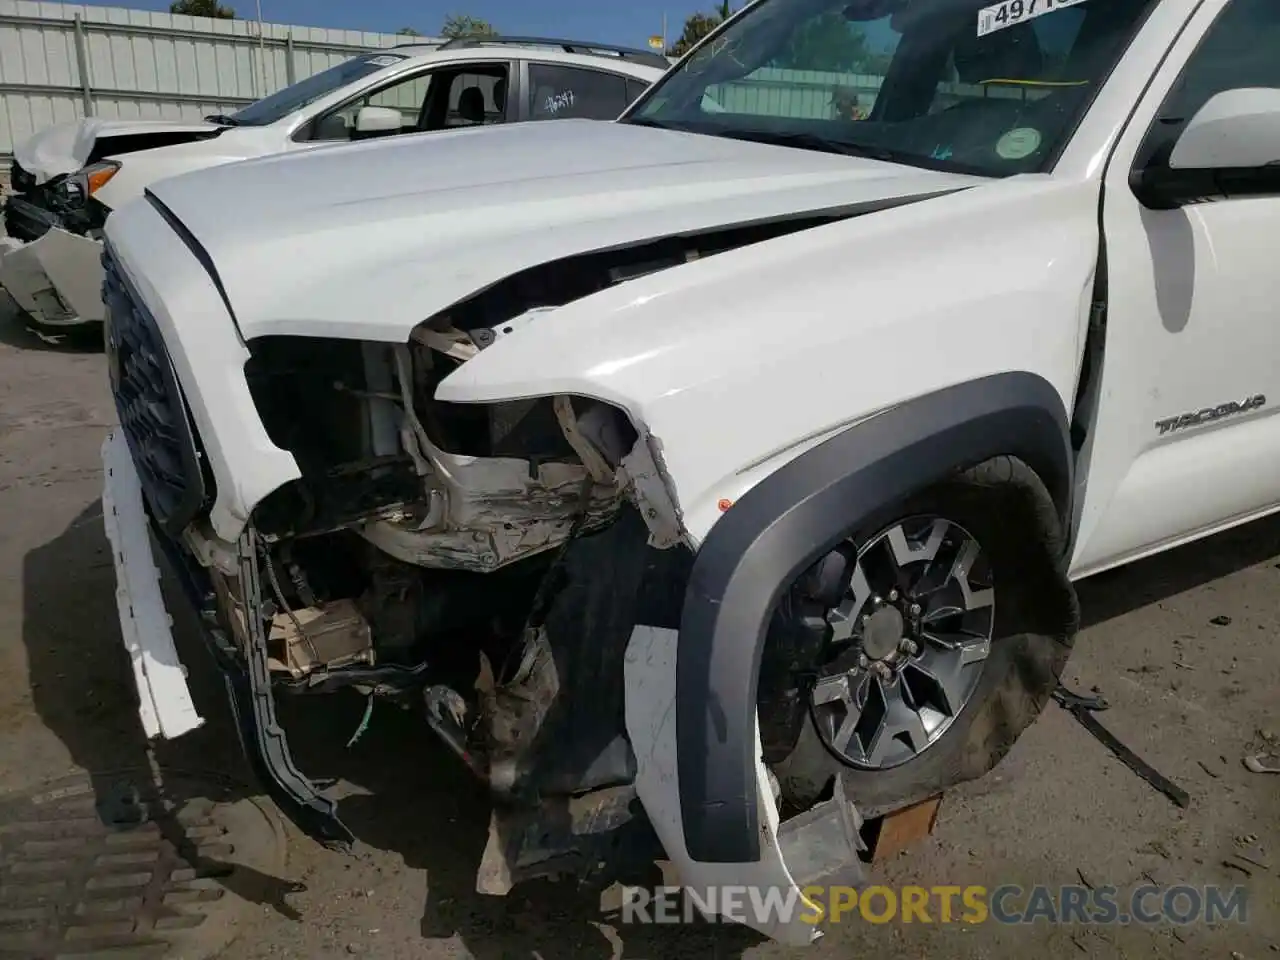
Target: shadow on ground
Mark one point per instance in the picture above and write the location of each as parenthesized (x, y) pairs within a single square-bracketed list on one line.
[(1116, 592), (421, 803), (17, 330)]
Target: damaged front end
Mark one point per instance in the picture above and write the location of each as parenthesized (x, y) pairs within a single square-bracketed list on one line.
[(517, 570), (51, 265), (486, 563)]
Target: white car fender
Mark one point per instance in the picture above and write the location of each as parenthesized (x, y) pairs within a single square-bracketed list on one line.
[(731, 395)]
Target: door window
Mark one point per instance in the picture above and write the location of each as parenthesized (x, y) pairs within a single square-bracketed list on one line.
[(476, 98), (407, 95), (635, 88), (557, 92)]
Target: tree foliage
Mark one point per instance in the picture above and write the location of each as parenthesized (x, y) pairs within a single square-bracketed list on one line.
[(829, 43), (460, 25), (202, 8), (695, 28), (407, 32)]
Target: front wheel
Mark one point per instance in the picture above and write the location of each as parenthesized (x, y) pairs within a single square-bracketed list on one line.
[(950, 632)]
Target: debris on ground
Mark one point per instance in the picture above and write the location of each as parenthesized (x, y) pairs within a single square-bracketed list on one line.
[(1205, 767), (1262, 763), (1083, 709)]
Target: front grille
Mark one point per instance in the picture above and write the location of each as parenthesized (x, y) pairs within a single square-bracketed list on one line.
[(153, 413)]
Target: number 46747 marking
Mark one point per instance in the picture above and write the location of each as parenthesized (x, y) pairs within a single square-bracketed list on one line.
[(1011, 12)]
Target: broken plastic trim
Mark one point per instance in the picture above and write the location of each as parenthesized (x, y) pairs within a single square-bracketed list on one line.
[(263, 739)]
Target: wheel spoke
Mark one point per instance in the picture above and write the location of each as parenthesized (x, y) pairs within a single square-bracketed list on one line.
[(904, 553), (833, 690), (960, 571), (844, 618), (972, 647), (836, 698), (902, 727), (935, 687)]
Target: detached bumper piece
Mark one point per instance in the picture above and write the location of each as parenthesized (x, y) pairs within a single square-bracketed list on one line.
[(56, 278), (164, 702)]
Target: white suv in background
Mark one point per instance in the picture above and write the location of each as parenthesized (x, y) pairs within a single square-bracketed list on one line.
[(67, 178)]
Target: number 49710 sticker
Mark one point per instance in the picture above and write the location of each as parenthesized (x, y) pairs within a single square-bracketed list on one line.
[(998, 16)]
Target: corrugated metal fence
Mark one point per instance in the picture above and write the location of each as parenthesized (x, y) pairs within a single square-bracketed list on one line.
[(61, 61)]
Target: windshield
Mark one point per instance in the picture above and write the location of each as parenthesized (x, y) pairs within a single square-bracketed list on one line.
[(955, 85), (292, 99)]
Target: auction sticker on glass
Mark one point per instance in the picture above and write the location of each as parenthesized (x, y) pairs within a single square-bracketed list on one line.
[(1010, 13), (1018, 144)]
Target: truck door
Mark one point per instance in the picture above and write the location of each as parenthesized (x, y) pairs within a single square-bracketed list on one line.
[(1185, 436)]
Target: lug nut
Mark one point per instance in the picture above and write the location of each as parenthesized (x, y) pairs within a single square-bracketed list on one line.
[(882, 670), (893, 595), (908, 646), (863, 662), (915, 609)]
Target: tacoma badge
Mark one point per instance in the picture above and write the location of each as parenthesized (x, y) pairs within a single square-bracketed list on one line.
[(1209, 414)]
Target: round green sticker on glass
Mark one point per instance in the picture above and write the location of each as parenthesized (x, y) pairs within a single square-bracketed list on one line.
[(1018, 143)]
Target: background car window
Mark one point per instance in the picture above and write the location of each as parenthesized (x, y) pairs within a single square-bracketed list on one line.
[(635, 88), (292, 99), (557, 93), (406, 95), (476, 99)]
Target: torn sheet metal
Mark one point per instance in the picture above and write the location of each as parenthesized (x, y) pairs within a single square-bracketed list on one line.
[(646, 480)]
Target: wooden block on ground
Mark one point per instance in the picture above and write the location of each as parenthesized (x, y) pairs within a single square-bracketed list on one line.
[(899, 830)]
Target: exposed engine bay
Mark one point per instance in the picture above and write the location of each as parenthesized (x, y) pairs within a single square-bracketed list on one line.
[(487, 563)]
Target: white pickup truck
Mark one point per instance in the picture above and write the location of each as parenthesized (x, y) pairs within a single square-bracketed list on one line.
[(67, 178), (734, 460)]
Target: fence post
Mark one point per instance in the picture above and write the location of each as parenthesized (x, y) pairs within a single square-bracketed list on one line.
[(288, 60), (82, 64)]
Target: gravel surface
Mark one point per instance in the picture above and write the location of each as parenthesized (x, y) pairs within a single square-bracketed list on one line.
[(1185, 647)]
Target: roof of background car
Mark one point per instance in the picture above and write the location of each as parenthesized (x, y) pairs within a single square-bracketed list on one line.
[(546, 54)]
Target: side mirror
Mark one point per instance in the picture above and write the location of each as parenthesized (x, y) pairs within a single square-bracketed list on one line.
[(1230, 147), (371, 121)]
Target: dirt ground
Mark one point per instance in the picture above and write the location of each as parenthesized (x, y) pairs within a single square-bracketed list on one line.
[(1184, 646)]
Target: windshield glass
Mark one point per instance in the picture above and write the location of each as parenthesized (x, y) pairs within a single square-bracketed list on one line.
[(960, 85), (291, 99)]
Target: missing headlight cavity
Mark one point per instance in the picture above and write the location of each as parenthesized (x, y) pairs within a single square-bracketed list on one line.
[(444, 486)]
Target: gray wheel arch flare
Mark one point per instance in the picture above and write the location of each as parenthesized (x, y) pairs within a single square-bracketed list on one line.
[(787, 522)]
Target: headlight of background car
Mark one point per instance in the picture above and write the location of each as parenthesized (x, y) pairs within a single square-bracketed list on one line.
[(85, 182)]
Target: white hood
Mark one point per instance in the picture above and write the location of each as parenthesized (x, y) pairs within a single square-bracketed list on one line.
[(368, 240), (65, 147)]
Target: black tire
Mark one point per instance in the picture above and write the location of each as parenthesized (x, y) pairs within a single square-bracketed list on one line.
[(1008, 510)]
